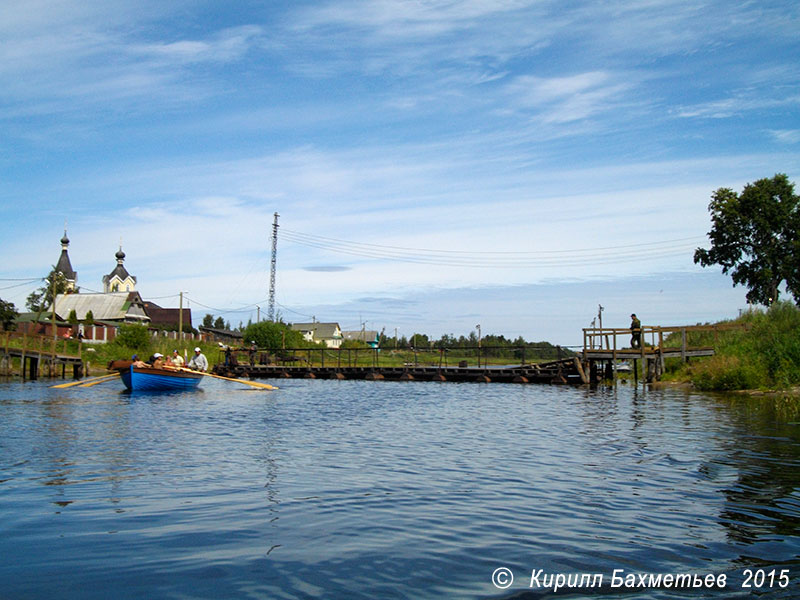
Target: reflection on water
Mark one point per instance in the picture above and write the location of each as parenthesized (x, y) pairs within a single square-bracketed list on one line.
[(391, 490)]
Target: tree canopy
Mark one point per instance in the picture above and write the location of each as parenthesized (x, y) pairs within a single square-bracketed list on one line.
[(272, 336), (55, 283), (8, 313), (755, 237), (133, 336)]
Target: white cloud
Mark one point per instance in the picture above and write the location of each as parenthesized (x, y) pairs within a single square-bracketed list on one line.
[(222, 46), (568, 98), (786, 136)]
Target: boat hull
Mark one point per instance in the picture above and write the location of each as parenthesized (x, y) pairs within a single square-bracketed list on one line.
[(148, 379)]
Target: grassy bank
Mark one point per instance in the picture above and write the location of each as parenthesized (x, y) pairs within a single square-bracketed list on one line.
[(99, 355), (762, 354)]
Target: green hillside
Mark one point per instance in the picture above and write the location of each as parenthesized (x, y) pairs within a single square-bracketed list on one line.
[(762, 354)]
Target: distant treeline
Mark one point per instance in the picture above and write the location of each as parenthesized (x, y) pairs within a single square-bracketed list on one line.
[(491, 345)]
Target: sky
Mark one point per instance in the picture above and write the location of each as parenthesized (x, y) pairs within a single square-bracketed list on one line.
[(436, 164)]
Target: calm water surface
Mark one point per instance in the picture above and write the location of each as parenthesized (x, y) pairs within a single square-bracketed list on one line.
[(337, 489)]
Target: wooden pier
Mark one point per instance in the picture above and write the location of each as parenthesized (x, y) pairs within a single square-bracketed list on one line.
[(37, 351), (605, 350), (568, 370), (604, 354)]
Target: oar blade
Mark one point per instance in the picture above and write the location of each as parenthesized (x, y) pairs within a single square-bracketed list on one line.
[(83, 381), (104, 380)]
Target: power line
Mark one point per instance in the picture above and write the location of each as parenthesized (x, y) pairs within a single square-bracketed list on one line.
[(499, 259)]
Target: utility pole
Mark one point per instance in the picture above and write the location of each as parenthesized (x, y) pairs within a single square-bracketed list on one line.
[(53, 317), (479, 343), (180, 320), (600, 320), (273, 263)]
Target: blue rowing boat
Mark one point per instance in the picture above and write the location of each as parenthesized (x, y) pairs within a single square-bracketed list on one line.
[(150, 379)]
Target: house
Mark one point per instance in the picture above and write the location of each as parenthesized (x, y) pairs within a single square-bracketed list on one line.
[(221, 336), (328, 333), (168, 318), (114, 307), (370, 338)]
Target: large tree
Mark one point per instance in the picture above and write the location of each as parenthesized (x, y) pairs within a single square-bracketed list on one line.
[(8, 314), (55, 283), (755, 236), (272, 336)]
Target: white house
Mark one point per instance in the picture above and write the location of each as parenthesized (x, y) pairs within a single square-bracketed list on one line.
[(329, 333)]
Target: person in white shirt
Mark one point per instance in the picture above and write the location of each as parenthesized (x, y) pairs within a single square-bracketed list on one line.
[(199, 361)]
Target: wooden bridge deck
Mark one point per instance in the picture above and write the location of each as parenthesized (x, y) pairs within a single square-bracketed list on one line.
[(563, 371), (32, 350), (647, 352)]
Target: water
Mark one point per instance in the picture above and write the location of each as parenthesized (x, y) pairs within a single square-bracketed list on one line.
[(346, 489)]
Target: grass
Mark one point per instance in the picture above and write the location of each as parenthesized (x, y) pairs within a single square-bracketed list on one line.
[(762, 354)]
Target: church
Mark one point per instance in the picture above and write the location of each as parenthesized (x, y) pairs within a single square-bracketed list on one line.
[(99, 314), (119, 280), (119, 302)]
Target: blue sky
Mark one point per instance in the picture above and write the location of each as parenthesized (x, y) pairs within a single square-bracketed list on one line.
[(436, 164)]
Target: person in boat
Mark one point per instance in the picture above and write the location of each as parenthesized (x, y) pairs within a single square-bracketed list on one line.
[(636, 332), (176, 360), (157, 360), (137, 362), (199, 361)]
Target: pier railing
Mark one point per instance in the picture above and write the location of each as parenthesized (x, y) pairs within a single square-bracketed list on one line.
[(653, 339), (16, 343), (472, 356), (31, 349)]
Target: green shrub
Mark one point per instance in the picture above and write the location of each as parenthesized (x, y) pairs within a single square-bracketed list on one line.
[(765, 353), (133, 337), (272, 336), (725, 373)]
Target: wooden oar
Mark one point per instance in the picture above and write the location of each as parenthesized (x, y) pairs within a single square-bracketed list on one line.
[(263, 386), (103, 380), (85, 381)]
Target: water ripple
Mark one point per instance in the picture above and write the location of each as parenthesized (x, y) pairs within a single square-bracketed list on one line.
[(366, 490)]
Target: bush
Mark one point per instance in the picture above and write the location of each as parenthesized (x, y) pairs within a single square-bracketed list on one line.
[(764, 355), (725, 373), (133, 337), (272, 336)]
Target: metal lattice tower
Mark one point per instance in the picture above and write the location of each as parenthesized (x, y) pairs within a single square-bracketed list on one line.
[(273, 263)]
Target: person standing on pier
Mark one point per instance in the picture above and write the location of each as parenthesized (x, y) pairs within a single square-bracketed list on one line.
[(636, 332)]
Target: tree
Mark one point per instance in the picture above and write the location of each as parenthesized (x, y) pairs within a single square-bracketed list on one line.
[(55, 283), (219, 323), (8, 314), (89, 318), (208, 320), (272, 336), (73, 318), (755, 236), (133, 336)]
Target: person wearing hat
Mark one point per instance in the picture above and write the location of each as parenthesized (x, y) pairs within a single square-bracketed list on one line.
[(177, 359), (199, 361), (157, 360), (636, 332)]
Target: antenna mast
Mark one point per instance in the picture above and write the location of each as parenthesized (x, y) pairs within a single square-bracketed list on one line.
[(273, 263)]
